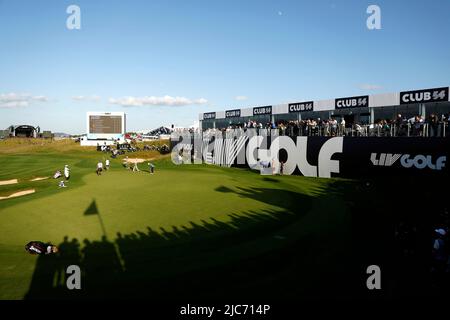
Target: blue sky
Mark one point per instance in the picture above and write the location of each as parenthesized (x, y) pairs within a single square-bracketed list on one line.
[(212, 55)]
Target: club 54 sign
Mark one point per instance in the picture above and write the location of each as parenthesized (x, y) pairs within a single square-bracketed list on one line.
[(257, 111), (209, 115), (351, 102), (301, 106), (236, 113), (423, 96)]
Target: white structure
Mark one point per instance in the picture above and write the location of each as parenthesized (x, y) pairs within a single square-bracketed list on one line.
[(104, 128), (364, 109)]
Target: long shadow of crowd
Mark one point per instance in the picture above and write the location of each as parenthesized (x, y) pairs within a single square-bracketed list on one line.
[(256, 254)]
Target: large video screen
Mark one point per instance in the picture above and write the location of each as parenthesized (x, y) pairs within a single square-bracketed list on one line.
[(105, 124)]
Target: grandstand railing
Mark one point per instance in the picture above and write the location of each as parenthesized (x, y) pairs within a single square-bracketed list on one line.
[(376, 130)]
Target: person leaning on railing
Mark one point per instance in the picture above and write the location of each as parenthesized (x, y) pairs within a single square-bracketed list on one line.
[(417, 126)]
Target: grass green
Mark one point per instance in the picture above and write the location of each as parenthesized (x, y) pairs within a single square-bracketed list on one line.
[(186, 231)]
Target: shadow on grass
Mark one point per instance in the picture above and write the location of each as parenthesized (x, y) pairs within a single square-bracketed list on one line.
[(270, 179), (92, 209), (295, 252)]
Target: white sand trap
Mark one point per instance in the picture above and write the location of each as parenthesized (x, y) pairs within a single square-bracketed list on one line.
[(18, 194), (39, 178), (6, 182), (135, 160)]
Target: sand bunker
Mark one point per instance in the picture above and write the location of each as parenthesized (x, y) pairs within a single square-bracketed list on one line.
[(6, 182), (135, 160), (39, 178), (18, 194)]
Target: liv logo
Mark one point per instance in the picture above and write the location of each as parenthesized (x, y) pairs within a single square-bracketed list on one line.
[(74, 20), (407, 161), (385, 159)]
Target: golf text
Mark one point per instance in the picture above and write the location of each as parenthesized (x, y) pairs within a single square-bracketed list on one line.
[(253, 149)]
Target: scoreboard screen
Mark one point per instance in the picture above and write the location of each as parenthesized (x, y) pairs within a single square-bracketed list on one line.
[(106, 124)]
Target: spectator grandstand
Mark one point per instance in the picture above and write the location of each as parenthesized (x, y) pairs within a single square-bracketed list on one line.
[(432, 126), (158, 133), (410, 113)]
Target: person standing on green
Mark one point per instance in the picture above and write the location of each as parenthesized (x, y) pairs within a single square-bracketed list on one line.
[(152, 167)]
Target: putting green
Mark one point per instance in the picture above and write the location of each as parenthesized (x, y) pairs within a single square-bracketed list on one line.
[(128, 202), (208, 217)]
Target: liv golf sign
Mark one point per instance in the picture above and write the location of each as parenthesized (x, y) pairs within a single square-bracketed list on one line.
[(254, 150), (325, 157)]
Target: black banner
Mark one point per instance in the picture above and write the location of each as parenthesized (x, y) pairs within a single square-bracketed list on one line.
[(364, 157), (258, 111), (401, 156), (236, 113), (424, 96), (301, 106), (325, 157), (209, 115), (351, 102)]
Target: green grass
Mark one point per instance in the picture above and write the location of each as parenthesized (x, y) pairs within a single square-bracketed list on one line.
[(184, 230)]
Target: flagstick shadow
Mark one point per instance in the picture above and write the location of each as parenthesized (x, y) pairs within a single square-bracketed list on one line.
[(93, 210)]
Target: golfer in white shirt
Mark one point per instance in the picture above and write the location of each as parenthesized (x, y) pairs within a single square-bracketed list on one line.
[(99, 168)]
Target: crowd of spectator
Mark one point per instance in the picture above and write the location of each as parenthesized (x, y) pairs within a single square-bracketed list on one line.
[(160, 131), (186, 130), (432, 126)]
